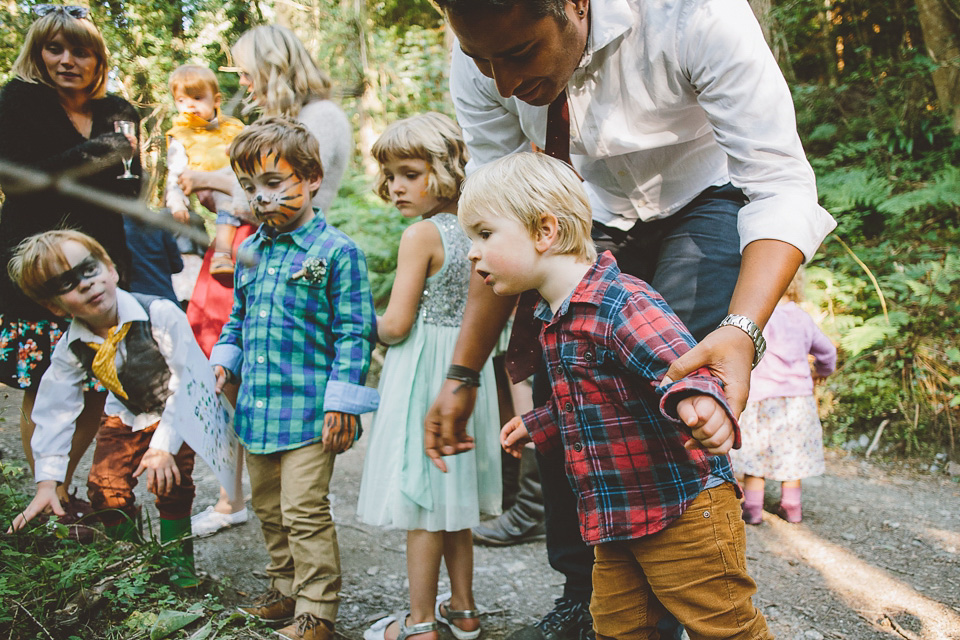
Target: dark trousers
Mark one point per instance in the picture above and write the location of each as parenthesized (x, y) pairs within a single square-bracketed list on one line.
[(693, 259)]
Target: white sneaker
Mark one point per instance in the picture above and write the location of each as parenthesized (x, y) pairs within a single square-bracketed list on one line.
[(208, 522)]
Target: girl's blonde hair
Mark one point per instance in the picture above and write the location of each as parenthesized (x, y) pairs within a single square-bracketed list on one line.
[(281, 70), (79, 32), (431, 137), (40, 257), (796, 289), (523, 186)]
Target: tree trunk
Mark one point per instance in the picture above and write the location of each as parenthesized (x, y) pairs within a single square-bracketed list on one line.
[(941, 34), (763, 10)]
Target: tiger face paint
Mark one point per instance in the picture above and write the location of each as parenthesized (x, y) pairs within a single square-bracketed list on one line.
[(278, 197)]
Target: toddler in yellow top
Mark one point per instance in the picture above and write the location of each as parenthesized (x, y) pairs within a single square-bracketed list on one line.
[(198, 140)]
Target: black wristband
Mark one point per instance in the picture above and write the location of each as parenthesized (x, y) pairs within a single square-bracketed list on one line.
[(466, 375)]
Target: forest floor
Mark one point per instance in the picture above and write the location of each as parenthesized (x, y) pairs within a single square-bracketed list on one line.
[(876, 556)]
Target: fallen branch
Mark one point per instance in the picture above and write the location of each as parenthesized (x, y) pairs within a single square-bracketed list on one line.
[(876, 437), (37, 622)]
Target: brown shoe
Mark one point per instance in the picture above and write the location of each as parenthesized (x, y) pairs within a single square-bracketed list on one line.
[(308, 627), (271, 606)]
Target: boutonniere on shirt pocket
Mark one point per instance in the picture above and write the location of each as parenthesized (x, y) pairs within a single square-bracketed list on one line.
[(312, 270)]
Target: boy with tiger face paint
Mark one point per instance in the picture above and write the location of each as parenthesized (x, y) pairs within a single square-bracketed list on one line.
[(299, 338)]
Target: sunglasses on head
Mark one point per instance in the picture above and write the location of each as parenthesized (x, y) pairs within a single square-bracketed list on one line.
[(70, 279), (70, 9)]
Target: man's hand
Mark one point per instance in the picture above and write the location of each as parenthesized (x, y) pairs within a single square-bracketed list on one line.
[(44, 502), (710, 426), (339, 431), (162, 471), (514, 436), (181, 215), (446, 422), (222, 376), (728, 353)]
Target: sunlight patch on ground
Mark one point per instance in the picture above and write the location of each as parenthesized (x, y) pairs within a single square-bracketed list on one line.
[(949, 540), (866, 589)]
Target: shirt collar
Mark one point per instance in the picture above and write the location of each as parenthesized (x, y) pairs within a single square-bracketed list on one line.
[(128, 310), (609, 19), (303, 236), (590, 290)]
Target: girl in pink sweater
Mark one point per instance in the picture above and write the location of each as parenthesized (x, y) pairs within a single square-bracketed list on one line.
[(780, 428)]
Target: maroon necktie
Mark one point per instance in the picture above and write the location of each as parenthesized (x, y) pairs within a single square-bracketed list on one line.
[(524, 355)]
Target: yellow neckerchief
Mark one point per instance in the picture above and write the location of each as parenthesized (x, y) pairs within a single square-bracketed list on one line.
[(105, 361), (206, 146)]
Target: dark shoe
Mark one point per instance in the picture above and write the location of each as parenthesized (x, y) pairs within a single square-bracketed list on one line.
[(307, 627), (569, 620), (523, 522), (271, 606)]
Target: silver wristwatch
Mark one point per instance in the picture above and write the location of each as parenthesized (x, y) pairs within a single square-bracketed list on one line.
[(750, 328)]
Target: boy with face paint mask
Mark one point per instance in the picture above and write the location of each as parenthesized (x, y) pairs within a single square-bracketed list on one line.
[(299, 338)]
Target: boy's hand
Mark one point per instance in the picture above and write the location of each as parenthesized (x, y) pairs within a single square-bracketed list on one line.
[(181, 215), (162, 471), (222, 377), (339, 430), (44, 502), (514, 436), (710, 426)]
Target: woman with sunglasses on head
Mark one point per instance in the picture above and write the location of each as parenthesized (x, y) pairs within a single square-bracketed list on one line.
[(282, 79), (55, 117)]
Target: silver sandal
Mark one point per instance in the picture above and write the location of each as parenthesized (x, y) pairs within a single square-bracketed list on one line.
[(379, 629), (454, 614)]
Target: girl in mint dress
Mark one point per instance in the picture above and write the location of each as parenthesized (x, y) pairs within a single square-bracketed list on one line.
[(421, 167)]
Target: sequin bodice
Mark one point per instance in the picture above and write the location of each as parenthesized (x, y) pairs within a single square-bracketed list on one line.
[(445, 292)]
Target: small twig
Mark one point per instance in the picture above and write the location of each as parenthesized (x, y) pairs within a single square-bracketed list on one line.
[(906, 633), (37, 622), (876, 437)]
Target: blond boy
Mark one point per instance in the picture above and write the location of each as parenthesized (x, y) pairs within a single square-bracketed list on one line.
[(662, 515)]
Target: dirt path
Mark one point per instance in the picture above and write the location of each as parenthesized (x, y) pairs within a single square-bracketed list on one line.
[(877, 556)]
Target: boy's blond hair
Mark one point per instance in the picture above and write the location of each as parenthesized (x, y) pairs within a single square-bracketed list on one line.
[(194, 80), (283, 73), (40, 257), (79, 32), (523, 186), (287, 138), (431, 137)]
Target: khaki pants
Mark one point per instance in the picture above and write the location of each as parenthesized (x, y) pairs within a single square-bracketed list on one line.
[(696, 569), (290, 497)]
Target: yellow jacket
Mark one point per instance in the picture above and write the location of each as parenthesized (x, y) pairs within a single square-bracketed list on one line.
[(206, 147)]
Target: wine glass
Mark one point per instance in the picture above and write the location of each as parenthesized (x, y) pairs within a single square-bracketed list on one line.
[(129, 129)]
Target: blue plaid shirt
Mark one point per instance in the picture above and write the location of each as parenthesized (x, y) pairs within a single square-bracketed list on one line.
[(299, 336)]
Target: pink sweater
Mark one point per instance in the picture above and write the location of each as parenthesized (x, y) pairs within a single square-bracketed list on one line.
[(785, 371)]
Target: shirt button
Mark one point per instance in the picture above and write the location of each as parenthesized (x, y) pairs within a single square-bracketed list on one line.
[(577, 447), (259, 404), (621, 173), (588, 356), (568, 407), (271, 271), (263, 314), (260, 359), (559, 369)]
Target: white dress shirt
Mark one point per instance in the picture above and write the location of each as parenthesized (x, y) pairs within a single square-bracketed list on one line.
[(670, 98), (60, 394)]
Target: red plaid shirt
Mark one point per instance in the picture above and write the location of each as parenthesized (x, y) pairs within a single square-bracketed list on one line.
[(605, 350)]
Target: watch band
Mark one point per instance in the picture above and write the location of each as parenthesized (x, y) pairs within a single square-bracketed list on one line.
[(750, 328)]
